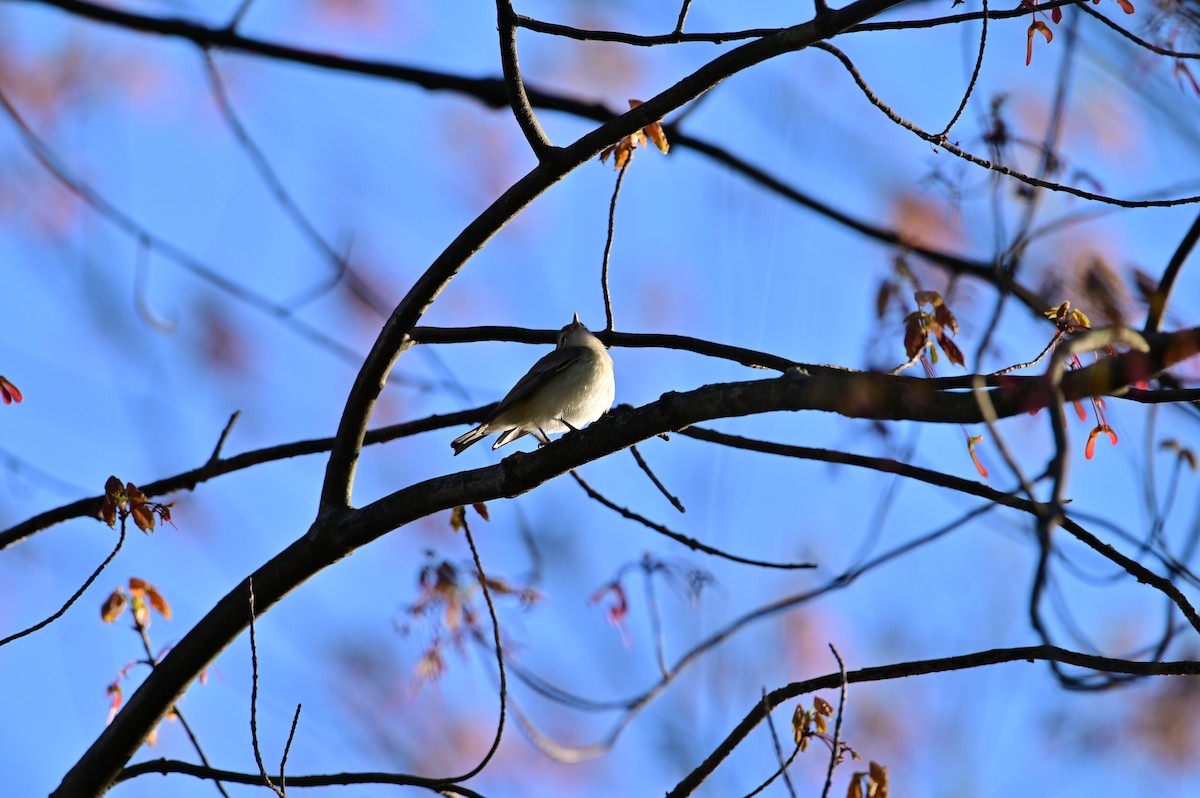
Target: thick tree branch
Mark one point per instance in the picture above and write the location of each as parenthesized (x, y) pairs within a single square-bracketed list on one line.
[(394, 339), (337, 534)]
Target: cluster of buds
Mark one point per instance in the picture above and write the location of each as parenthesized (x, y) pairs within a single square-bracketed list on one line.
[(128, 501)]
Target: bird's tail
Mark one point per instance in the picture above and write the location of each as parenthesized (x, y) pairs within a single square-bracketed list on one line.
[(468, 438)]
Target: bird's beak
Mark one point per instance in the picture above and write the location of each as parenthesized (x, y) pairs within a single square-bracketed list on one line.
[(576, 319)]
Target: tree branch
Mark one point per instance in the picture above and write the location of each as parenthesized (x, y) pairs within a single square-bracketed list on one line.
[(919, 668)]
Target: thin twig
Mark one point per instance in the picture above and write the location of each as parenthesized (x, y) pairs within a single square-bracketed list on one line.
[(782, 771), (287, 748), (74, 597), (216, 455), (691, 543), (1057, 337), (962, 106), (487, 596), (612, 215), (141, 290), (656, 630), (988, 410), (683, 12), (262, 770), (983, 162), (237, 15), (275, 184), (837, 724), (674, 500), (152, 661), (787, 779)]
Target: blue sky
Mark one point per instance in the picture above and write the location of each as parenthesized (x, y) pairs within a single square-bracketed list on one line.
[(392, 172)]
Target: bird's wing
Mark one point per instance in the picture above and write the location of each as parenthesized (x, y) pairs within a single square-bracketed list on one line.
[(547, 367)]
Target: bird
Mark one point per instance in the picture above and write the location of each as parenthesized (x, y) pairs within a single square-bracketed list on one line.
[(566, 389)]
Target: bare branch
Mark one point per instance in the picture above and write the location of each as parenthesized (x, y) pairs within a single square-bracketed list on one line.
[(74, 596), (674, 500), (518, 100), (918, 668), (1162, 294)]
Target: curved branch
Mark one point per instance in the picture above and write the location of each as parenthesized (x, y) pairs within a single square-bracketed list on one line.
[(902, 670), (394, 339), (514, 84), (1162, 294), (336, 534), (941, 142)]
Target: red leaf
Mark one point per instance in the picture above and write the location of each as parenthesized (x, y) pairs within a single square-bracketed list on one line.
[(1056, 14), (9, 393)]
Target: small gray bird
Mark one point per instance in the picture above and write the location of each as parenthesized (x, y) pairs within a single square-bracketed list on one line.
[(568, 388)]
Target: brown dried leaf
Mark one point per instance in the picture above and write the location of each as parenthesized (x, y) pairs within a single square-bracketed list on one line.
[(822, 707), (878, 785), (143, 517), (112, 488), (482, 509), (799, 724), (915, 334), (943, 316), (927, 298), (114, 605), (951, 349), (883, 297), (458, 518)]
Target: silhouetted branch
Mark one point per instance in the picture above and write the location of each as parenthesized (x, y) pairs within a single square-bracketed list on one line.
[(691, 543), (165, 766), (514, 84), (1162, 294), (74, 596), (918, 668)]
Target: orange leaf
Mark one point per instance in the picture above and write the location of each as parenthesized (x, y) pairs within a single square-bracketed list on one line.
[(654, 131), (143, 517), (1126, 6), (482, 509), (137, 587), (158, 603), (113, 606)]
